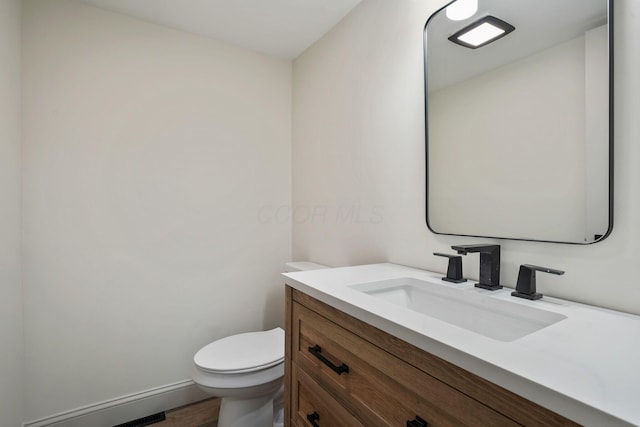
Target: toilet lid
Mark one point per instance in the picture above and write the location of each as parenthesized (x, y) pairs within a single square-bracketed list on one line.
[(243, 352)]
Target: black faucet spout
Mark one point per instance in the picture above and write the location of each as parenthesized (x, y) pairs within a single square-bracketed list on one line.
[(489, 264)]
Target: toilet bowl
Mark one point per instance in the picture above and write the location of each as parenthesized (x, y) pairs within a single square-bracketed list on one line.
[(246, 371)]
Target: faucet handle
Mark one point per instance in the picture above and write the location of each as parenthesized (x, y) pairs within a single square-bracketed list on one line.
[(454, 269), (526, 285)]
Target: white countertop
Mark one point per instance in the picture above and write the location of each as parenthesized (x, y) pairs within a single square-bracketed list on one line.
[(585, 367)]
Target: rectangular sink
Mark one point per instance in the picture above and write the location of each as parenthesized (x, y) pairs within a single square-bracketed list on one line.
[(466, 308)]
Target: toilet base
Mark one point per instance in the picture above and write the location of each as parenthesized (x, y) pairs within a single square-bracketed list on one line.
[(256, 412), (258, 406)]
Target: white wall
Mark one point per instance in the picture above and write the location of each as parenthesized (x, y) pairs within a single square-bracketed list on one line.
[(11, 339), (358, 140), (148, 155)]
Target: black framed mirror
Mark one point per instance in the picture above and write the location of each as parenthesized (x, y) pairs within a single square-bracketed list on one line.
[(519, 128)]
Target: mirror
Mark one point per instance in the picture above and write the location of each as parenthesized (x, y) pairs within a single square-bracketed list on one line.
[(519, 130)]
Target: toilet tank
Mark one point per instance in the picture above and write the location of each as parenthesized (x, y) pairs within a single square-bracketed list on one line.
[(290, 267)]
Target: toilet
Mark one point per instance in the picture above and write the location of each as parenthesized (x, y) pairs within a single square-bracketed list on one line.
[(246, 371)]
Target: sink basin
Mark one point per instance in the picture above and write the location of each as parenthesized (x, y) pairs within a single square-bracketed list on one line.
[(473, 310)]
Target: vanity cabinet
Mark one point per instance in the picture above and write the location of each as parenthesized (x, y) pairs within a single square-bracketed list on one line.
[(340, 371)]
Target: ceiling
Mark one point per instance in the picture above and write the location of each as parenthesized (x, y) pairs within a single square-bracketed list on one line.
[(281, 28)]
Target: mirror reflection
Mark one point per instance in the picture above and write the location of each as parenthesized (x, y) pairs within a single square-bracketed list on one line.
[(518, 120)]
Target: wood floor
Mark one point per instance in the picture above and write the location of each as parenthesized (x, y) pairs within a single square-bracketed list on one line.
[(201, 414)]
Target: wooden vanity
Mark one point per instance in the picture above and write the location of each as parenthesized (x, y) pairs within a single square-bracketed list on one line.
[(340, 371)]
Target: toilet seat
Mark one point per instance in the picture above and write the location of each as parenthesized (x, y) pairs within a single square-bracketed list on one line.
[(242, 353)]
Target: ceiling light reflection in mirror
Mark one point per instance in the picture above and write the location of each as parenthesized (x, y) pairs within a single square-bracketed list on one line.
[(462, 9)]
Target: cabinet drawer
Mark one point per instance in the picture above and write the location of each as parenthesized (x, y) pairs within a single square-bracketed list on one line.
[(378, 388), (310, 400)]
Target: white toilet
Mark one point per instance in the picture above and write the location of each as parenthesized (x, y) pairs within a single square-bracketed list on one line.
[(246, 371)]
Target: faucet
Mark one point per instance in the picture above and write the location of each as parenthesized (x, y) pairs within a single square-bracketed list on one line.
[(489, 264), (454, 269), (526, 285)]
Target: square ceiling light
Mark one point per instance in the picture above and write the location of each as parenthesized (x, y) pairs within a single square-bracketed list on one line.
[(482, 32)]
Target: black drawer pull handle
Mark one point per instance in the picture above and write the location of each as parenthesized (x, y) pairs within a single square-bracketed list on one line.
[(317, 352), (417, 422), (313, 418)]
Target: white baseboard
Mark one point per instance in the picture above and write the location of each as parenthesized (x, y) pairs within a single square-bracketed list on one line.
[(126, 408)]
